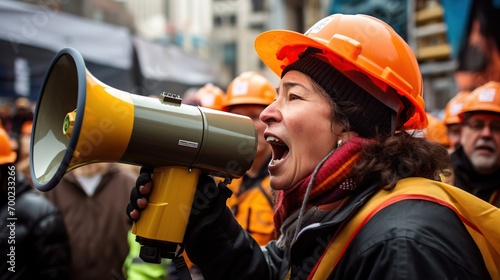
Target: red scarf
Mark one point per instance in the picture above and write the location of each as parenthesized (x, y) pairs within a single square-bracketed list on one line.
[(331, 185)]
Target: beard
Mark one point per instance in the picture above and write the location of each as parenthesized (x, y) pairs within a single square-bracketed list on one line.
[(484, 164)]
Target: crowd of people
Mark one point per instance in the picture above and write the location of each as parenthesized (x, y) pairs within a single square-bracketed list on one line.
[(352, 177)]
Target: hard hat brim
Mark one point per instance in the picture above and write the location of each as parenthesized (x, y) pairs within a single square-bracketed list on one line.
[(269, 43)]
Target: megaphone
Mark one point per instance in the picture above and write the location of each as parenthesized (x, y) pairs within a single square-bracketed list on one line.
[(80, 120)]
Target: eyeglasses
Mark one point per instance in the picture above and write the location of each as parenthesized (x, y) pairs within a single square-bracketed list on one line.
[(478, 125)]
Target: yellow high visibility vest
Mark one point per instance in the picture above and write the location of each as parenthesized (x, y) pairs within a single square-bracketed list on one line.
[(479, 217)]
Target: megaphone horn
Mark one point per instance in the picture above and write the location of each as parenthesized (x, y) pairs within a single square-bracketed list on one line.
[(80, 120)]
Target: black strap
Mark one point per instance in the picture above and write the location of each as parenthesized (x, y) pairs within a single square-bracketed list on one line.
[(269, 199), (181, 267)]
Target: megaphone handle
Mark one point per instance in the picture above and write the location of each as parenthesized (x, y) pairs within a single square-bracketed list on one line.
[(163, 223)]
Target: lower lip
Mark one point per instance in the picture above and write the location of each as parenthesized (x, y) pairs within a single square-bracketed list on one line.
[(274, 167)]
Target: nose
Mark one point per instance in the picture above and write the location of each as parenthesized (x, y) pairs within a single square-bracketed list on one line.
[(486, 131), (270, 114)]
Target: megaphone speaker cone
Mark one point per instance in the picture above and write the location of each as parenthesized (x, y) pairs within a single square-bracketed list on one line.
[(80, 120)]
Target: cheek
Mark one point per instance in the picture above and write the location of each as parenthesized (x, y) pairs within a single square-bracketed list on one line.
[(467, 140), (310, 129), (315, 140), (496, 138), (464, 136), (260, 126), (321, 130)]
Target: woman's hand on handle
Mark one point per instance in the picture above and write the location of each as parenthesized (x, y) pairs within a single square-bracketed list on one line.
[(140, 193)]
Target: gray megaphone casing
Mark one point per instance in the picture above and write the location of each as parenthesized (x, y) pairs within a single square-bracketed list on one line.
[(79, 120)]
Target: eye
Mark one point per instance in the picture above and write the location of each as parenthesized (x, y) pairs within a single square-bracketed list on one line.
[(476, 125), (292, 97), (495, 126)]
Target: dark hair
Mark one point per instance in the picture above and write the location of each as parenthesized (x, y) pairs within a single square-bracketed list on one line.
[(343, 110), (401, 156)]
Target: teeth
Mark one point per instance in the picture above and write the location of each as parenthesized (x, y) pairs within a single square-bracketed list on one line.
[(280, 149), (272, 139), (275, 161)]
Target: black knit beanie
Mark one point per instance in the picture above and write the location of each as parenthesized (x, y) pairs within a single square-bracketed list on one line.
[(366, 115)]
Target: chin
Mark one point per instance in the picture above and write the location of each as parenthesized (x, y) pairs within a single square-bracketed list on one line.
[(276, 185)]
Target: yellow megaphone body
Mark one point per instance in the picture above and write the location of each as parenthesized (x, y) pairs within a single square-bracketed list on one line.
[(80, 120)]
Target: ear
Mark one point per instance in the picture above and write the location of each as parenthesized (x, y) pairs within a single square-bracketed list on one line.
[(346, 135)]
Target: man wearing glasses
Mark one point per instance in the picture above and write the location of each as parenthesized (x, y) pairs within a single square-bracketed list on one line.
[(476, 163)]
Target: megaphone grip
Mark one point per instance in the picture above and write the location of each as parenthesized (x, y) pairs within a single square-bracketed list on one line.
[(169, 206)]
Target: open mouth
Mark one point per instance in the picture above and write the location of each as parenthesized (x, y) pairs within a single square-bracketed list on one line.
[(280, 149), (485, 148)]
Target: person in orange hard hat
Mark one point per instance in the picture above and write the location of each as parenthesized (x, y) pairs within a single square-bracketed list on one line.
[(476, 163), (356, 195), (436, 132), (451, 120), (210, 96), (207, 96), (251, 202), (33, 238)]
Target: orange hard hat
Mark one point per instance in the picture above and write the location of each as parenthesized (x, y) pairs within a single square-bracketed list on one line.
[(210, 96), (7, 155), (26, 127), (485, 98), (358, 43), (454, 107), (249, 88), (436, 131)]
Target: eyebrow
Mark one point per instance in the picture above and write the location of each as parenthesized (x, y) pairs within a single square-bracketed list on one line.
[(484, 119), (287, 85)]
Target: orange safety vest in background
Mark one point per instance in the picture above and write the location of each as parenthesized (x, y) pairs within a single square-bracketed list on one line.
[(253, 209), (479, 217)]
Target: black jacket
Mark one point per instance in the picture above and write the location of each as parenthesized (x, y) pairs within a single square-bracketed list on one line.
[(33, 238), (411, 239)]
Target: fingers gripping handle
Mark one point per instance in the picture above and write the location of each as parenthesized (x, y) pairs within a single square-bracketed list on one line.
[(163, 222)]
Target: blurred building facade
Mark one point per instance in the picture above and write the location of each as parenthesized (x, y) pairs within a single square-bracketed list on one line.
[(110, 11), (222, 31)]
